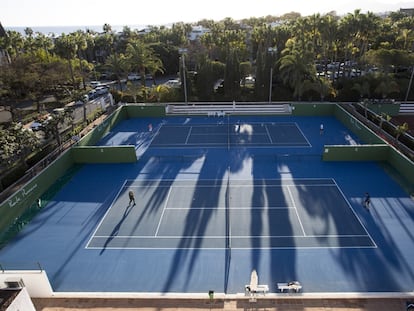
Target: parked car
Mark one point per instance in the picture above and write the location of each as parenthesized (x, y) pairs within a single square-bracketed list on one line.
[(92, 94), (134, 76), (102, 90), (36, 126), (94, 84), (174, 83), (58, 111), (246, 81), (218, 86)]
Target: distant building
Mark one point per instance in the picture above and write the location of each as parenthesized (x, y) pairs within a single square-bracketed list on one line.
[(197, 32), (409, 12)]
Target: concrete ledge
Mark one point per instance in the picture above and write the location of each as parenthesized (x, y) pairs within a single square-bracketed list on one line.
[(242, 296)]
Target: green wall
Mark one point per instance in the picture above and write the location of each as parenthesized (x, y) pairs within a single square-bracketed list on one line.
[(104, 154), (96, 134), (356, 126), (355, 153), (123, 112), (312, 109), (389, 109), (402, 164), (144, 110), (14, 207)]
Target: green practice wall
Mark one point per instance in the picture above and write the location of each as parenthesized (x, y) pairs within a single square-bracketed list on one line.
[(104, 154), (144, 110), (356, 153), (96, 134), (389, 109), (312, 109)]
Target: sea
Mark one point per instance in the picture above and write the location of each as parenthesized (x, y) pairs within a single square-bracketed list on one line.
[(58, 30)]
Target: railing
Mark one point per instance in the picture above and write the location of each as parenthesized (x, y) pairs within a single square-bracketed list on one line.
[(42, 164), (358, 111), (35, 170)]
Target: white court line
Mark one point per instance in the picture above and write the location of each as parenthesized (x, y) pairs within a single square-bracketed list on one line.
[(234, 248), (163, 211), (268, 134), (188, 135), (296, 210), (129, 181), (300, 130), (350, 206), (106, 213), (224, 236), (260, 208)]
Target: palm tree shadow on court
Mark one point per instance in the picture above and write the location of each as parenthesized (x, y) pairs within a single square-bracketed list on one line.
[(198, 218), (115, 231)]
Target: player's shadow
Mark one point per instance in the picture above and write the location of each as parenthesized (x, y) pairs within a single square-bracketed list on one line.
[(115, 231)]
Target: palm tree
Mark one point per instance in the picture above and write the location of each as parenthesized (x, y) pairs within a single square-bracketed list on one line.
[(81, 47), (295, 67), (141, 58), (232, 75), (65, 47), (363, 88), (329, 33), (383, 117), (12, 43), (387, 86), (400, 130), (53, 127), (324, 87), (117, 64)]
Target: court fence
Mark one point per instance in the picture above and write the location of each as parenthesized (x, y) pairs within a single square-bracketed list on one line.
[(376, 150)]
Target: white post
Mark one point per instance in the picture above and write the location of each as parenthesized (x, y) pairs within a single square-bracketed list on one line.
[(270, 86), (182, 53), (409, 84), (271, 51)]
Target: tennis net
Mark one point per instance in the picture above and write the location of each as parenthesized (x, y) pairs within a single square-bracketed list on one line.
[(228, 221)]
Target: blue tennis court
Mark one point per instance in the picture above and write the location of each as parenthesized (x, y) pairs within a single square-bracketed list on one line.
[(282, 221), (229, 134), (217, 198)]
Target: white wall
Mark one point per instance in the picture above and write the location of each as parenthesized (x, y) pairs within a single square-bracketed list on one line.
[(36, 282), (22, 302)]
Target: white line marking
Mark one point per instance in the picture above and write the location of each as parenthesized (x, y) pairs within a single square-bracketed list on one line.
[(296, 210), (188, 135), (268, 134), (107, 211), (350, 206), (163, 211)]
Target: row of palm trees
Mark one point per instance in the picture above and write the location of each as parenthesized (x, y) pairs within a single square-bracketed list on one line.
[(312, 57), (301, 45)]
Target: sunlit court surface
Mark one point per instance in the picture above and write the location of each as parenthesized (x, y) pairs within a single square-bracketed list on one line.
[(218, 197)]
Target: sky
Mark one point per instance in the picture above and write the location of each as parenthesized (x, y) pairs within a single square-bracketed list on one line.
[(30, 13)]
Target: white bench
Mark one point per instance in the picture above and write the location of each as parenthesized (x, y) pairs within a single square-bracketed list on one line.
[(294, 286), (259, 289)]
